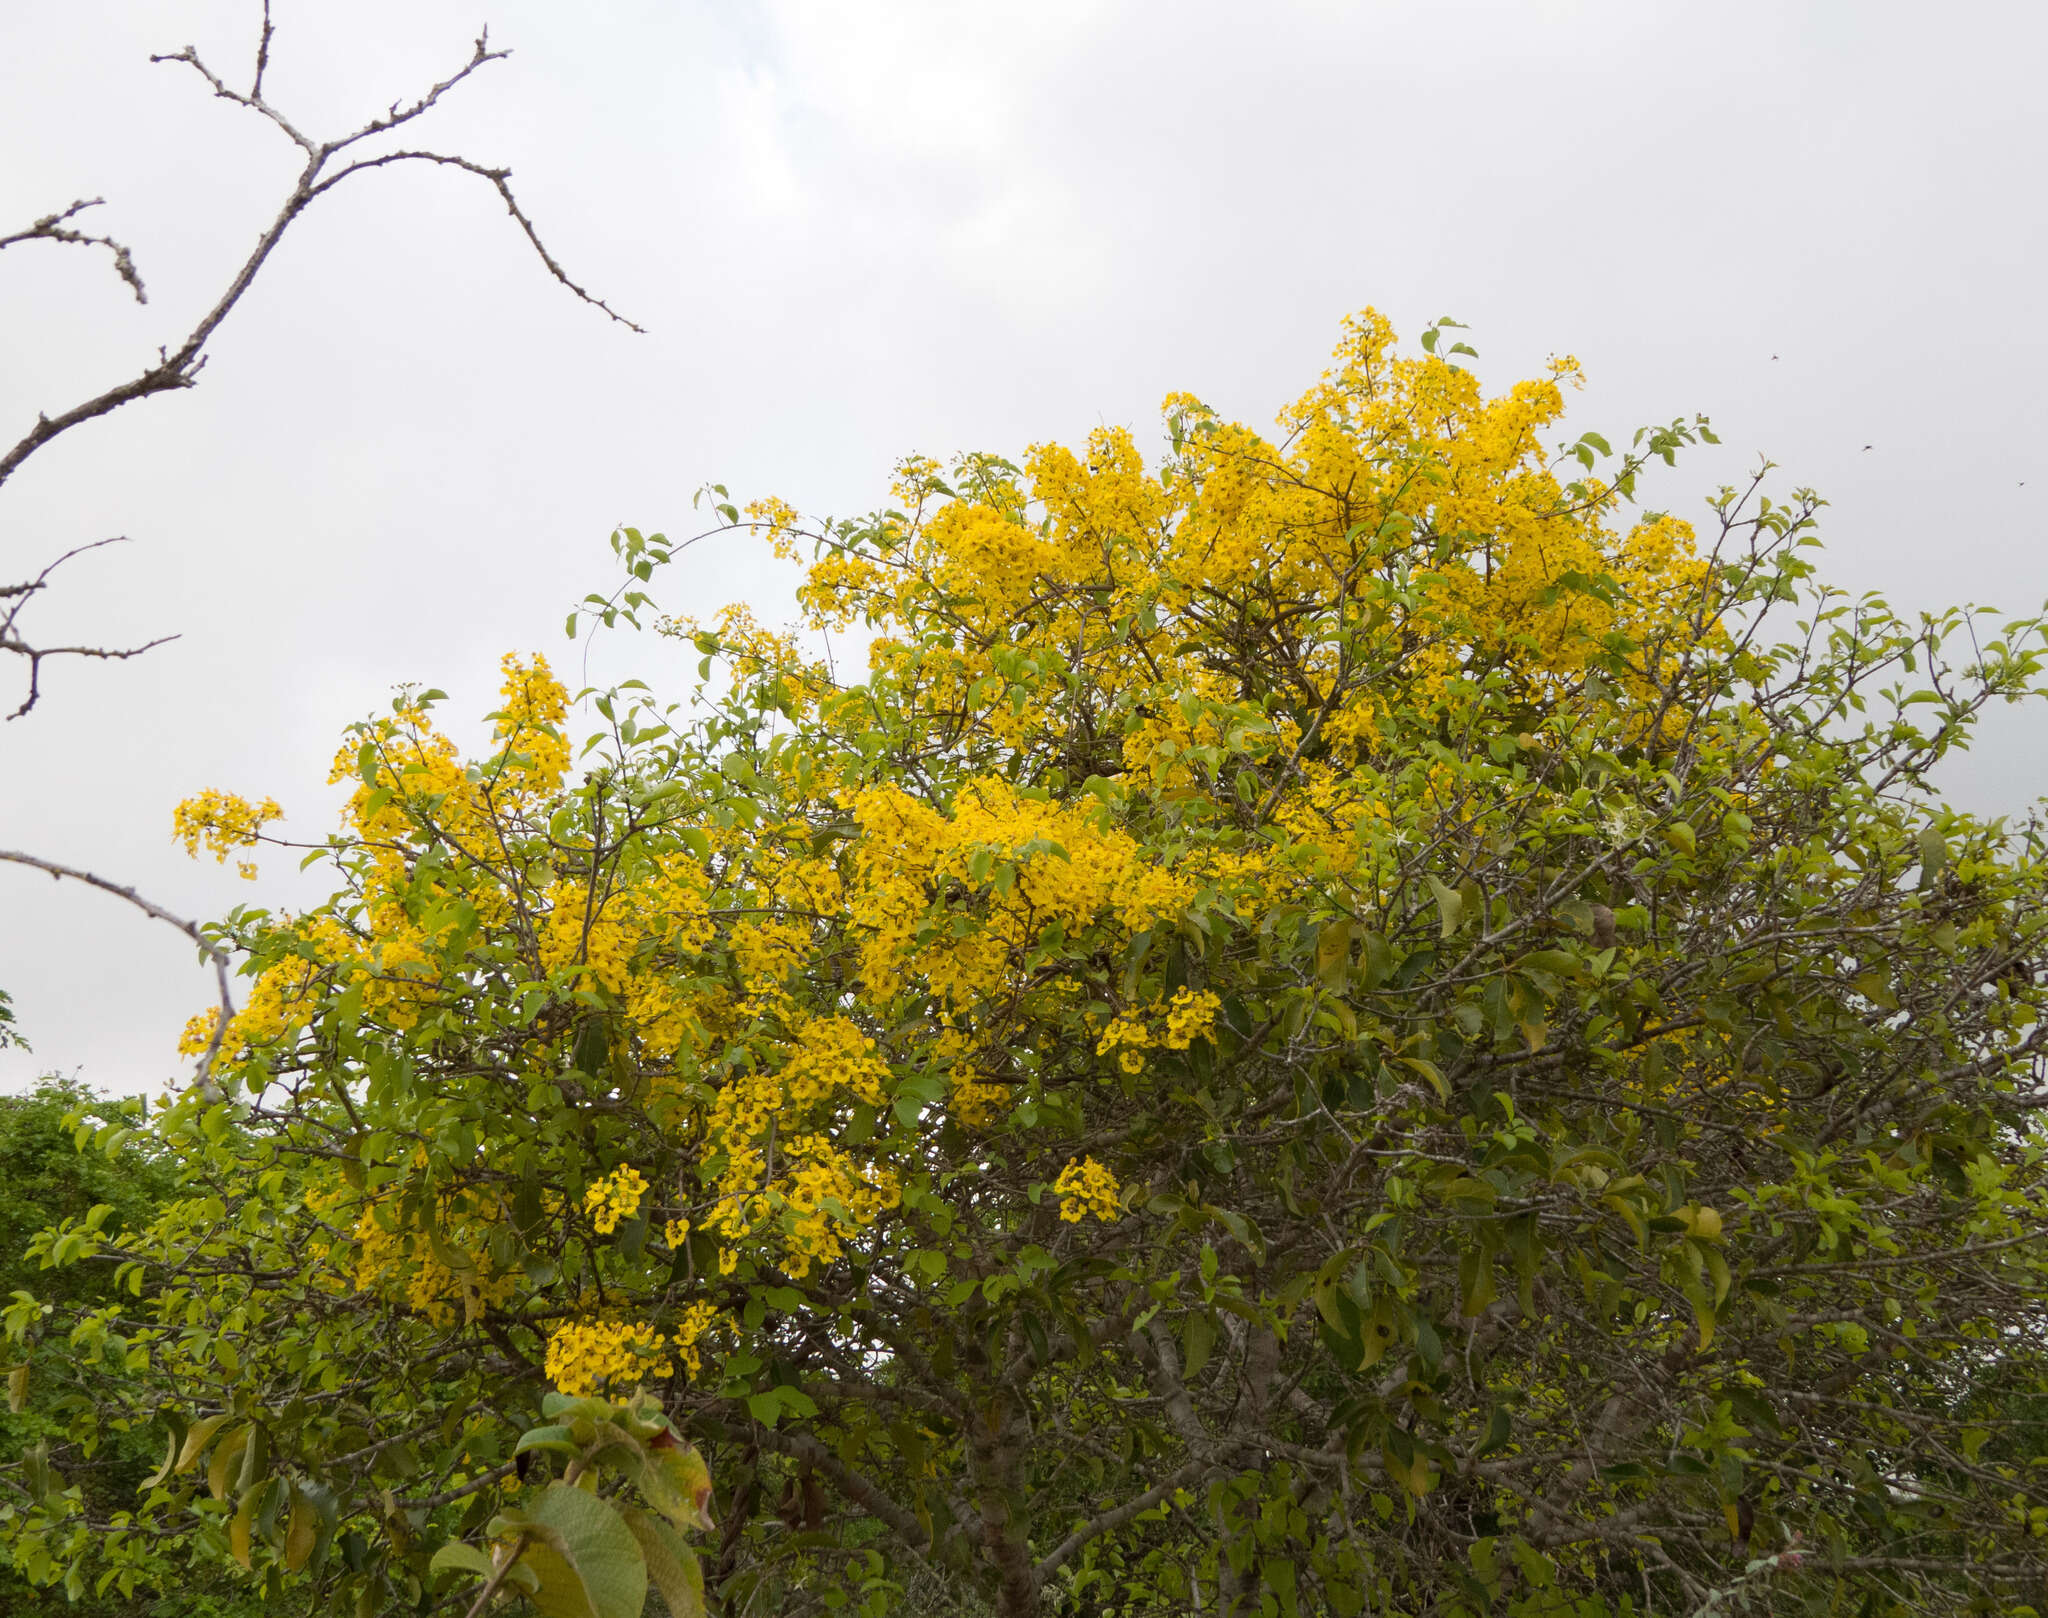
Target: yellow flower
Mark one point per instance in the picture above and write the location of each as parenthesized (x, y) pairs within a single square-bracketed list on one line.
[(614, 1197), (584, 1358), (1085, 1187), (222, 822), (1189, 1017)]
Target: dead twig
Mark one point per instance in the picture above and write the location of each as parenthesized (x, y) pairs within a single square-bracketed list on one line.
[(17, 596), (325, 166), (52, 228), (203, 1074)]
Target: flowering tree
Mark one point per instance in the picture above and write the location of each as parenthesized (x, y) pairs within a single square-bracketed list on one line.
[(1340, 1022)]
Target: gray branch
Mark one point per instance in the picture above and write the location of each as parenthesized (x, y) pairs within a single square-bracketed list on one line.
[(179, 367), (17, 596), (202, 1075), (52, 228)]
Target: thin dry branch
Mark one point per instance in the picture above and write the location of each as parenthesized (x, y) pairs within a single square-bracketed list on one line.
[(17, 596), (179, 367), (202, 1075), (52, 228)]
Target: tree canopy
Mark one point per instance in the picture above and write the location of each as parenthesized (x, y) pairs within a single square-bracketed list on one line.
[(1340, 1021)]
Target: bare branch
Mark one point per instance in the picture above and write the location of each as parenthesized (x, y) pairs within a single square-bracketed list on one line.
[(499, 179), (51, 228), (397, 115), (36, 654), (262, 54), (11, 640), (254, 101), (179, 367), (1110, 1521), (18, 596), (212, 951)]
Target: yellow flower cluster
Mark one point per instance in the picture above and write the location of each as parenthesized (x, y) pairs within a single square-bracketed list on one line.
[(813, 1192), (584, 1359), (441, 1275), (1190, 1015), (1085, 1187), (527, 729), (198, 1033), (614, 1197), (405, 770), (697, 1319), (221, 821), (1132, 1036), (1067, 866)]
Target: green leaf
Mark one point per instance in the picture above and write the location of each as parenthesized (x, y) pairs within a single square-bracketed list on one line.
[(1475, 1281), (161, 1474), (587, 1561), (302, 1531), (1933, 856), (1450, 905), (671, 1564), (220, 1474), (1333, 951), (456, 1557), (675, 1481), (1198, 1337), (239, 1528), (554, 1438)]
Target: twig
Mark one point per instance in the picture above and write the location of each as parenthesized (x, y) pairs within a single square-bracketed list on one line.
[(51, 228), (497, 1578), (179, 367), (11, 640), (202, 1075)]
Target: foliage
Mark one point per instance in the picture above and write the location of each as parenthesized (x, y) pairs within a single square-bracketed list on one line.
[(1338, 1023), (46, 1180)]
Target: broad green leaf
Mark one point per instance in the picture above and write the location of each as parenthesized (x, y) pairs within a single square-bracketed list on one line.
[(671, 1564), (675, 1481), (1333, 950), (227, 1459), (162, 1474), (551, 1438), (1449, 903), (456, 1557), (587, 1560), (302, 1531), (239, 1528)]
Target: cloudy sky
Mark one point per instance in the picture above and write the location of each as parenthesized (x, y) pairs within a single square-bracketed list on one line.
[(860, 230)]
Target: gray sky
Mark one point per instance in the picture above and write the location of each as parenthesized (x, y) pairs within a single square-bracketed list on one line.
[(857, 231)]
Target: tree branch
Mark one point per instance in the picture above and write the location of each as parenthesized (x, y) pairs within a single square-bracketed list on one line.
[(212, 951), (18, 597), (179, 367), (51, 228), (1110, 1521)]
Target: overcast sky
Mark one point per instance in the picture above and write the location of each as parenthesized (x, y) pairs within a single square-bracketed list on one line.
[(860, 230)]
